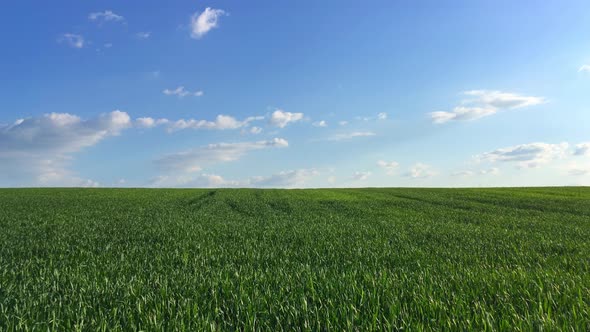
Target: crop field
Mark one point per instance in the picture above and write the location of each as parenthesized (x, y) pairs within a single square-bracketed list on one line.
[(327, 259)]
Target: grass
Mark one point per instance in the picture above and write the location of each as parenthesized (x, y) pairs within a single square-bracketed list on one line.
[(346, 259)]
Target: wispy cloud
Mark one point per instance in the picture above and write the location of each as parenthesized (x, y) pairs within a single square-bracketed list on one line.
[(181, 92), (482, 103), (202, 23), (105, 16), (354, 134), (72, 40), (321, 123), (389, 166), (420, 171), (284, 179), (361, 175), (196, 159), (526, 155), (143, 35), (584, 69)]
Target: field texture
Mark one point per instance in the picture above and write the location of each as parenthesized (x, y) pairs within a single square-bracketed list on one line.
[(347, 259)]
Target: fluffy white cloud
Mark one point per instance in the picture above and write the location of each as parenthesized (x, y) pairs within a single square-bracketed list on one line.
[(484, 103), (389, 166), (280, 118), (255, 130), (420, 171), (360, 176), (526, 155), (320, 124), (72, 40), (582, 149), (41, 147), (60, 132), (382, 116), (584, 69), (150, 122), (106, 16), (196, 159), (347, 136), (182, 92), (201, 23)]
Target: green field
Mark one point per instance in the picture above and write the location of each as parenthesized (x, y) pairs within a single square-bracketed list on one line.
[(342, 259)]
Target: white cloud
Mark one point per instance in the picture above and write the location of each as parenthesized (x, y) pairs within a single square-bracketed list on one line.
[(343, 123), (201, 23), (582, 149), (382, 116), (60, 132), (182, 92), (503, 100), (106, 16), (360, 176), (389, 167), (467, 173), (490, 171), (584, 69), (150, 122), (143, 35), (196, 159), (194, 181), (485, 103), (526, 155), (285, 179), (145, 122), (72, 40), (280, 118), (420, 171), (221, 122), (320, 124), (347, 136), (331, 179), (41, 148), (462, 113)]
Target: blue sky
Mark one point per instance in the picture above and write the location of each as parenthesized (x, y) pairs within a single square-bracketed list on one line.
[(295, 93)]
